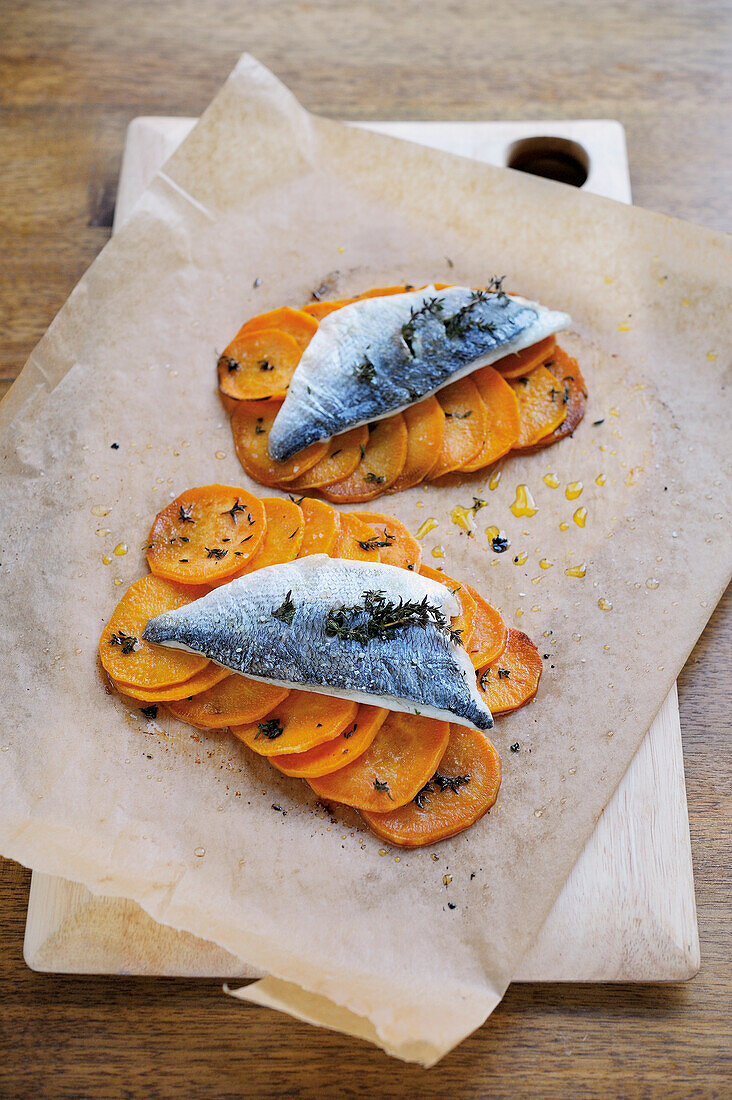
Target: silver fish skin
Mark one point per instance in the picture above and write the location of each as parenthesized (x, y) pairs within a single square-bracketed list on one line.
[(359, 366), (421, 670)]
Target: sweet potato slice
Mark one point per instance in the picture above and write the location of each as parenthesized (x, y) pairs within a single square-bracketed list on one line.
[(464, 621), (463, 789), (233, 701), (300, 722), (425, 432), (521, 363), (574, 396), (466, 426), (401, 758), (206, 534), (258, 364), (127, 657), (251, 423), (489, 632), (355, 540), (503, 423), (295, 322), (201, 681), (336, 753), (282, 540), (322, 527), (319, 310), (513, 678), (382, 462), (401, 549), (344, 455), (541, 408)]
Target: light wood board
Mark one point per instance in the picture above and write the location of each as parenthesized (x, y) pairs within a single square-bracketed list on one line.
[(627, 911)]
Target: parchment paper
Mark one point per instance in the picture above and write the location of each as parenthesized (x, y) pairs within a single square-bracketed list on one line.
[(354, 935)]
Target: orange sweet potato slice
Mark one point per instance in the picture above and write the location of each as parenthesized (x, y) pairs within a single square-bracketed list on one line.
[(396, 765), (127, 657), (233, 701), (464, 621), (382, 462), (344, 455), (464, 789), (541, 408), (425, 432), (513, 678), (319, 310), (466, 426), (402, 548), (258, 364), (355, 540), (339, 751), (206, 534), (295, 322), (503, 423), (489, 632), (201, 681), (282, 540), (300, 722), (574, 396), (251, 423), (521, 363), (322, 527)]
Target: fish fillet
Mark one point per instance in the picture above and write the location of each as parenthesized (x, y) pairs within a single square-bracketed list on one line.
[(419, 670), (377, 356)]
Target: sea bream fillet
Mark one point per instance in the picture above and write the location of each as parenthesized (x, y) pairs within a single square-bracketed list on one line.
[(377, 356), (328, 625)]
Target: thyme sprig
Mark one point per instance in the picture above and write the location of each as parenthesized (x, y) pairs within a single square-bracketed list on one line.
[(444, 783), (128, 642), (431, 307), (230, 364), (375, 543), (379, 617), (236, 507), (365, 371), (286, 611), (185, 514), (217, 552), (271, 728)]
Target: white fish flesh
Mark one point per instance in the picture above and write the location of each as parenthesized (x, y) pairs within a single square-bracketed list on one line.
[(376, 356), (294, 624)]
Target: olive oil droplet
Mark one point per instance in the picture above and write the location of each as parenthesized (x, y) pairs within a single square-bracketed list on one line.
[(120, 550), (520, 558), (494, 480), (100, 510), (200, 852), (604, 604), (551, 480), (106, 560), (573, 490), (576, 570), (461, 517), (426, 527), (651, 583), (580, 516), (438, 551), (600, 479), (524, 504), (545, 564)]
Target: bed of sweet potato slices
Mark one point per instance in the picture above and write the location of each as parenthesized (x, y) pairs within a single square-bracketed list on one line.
[(525, 401), (415, 780)]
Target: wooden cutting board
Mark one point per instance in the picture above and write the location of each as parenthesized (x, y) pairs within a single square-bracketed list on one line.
[(627, 911)]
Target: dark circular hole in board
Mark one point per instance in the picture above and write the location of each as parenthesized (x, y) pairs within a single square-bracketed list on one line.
[(554, 158)]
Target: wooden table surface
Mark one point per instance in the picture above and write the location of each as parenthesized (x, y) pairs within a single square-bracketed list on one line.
[(72, 76)]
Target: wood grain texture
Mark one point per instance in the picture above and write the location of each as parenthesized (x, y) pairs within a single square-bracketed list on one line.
[(627, 910), (71, 78)]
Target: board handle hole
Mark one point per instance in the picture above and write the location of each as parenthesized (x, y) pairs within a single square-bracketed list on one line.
[(552, 157)]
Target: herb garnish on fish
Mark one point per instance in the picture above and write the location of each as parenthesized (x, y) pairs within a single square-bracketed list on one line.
[(378, 617), (286, 611)]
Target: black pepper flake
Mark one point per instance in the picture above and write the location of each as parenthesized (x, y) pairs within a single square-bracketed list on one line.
[(114, 446), (183, 561), (276, 807), (257, 282), (451, 905), (595, 423), (472, 875), (499, 544), (516, 747)]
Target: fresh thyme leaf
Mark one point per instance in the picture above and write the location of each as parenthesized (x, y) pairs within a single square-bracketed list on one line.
[(351, 731), (379, 617), (266, 365), (432, 307), (293, 534), (286, 611), (216, 552), (553, 393), (257, 282), (595, 423), (271, 728), (230, 364), (483, 677), (258, 429), (565, 396), (296, 500), (128, 642), (421, 798), (375, 479), (363, 450), (383, 788), (504, 673), (450, 782), (374, 543), (478, 503), (185, 514), (365, 371), (458, 416), (235, 508)]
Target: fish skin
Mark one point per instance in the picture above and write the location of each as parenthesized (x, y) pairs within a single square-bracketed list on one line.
[(233, 625), (325, 396)]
